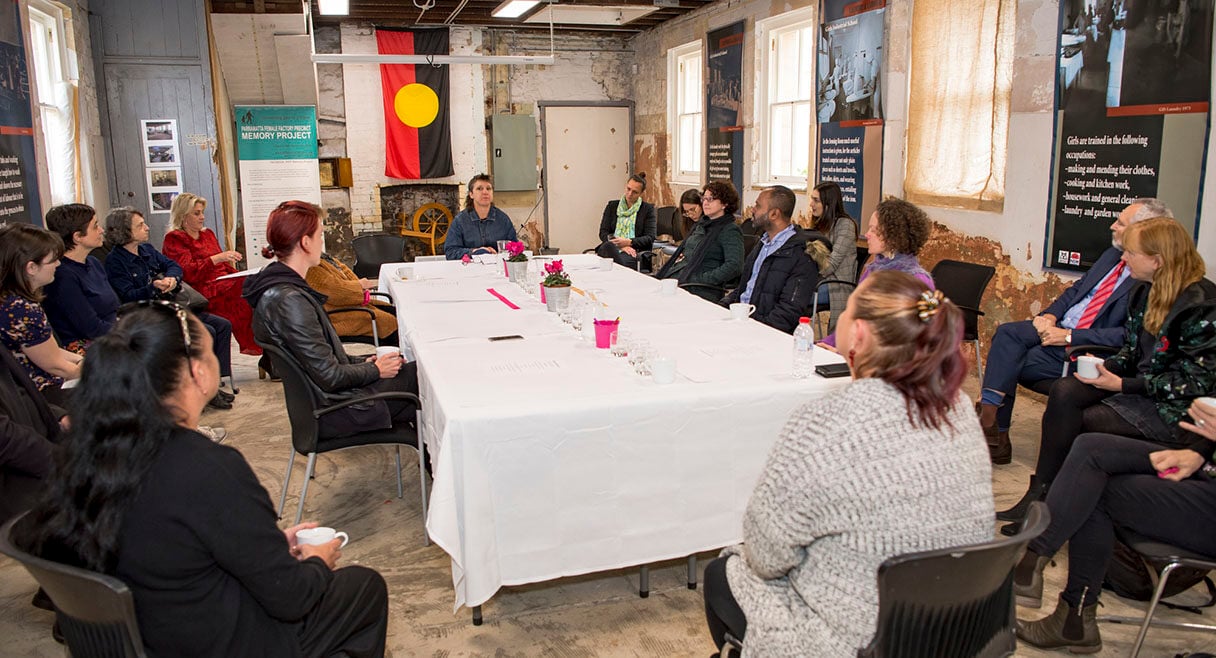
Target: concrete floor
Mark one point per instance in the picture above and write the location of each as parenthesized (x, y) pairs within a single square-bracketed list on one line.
[(593, 615)]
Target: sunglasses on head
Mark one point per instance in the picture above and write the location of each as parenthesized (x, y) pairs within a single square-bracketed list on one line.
[(164, 306)]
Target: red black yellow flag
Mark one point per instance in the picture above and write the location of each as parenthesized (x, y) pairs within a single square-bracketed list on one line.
[(417, 129)]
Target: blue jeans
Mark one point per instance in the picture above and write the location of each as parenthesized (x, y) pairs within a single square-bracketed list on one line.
[(1017, 355)]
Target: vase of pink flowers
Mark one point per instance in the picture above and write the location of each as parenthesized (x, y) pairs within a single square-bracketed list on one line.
[(556, 285), (516, 261)]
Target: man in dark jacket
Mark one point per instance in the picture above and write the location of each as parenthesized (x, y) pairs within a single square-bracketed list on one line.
[(28, 430), (779, 276)]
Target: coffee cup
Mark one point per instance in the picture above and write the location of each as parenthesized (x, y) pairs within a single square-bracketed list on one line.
[(1087, 366), (669, 286), (386, 350), (321, 535), (606, 264), (741, 311), (663, 369)]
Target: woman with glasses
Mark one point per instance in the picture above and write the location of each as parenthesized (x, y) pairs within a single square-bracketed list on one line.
[(80, 302), (28, 259), (289, 315), (712, 255), (137, 271), (690, 209), (193, 246), (831, 219), (184, 522)]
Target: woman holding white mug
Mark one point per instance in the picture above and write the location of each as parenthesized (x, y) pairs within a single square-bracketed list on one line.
[(1166, 360), (136, 493)]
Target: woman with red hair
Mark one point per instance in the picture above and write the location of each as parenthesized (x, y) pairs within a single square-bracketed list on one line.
[(289, 315)]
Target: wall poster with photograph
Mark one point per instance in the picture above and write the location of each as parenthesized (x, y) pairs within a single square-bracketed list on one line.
[(724, 102), (848, 103), (1133, 89)]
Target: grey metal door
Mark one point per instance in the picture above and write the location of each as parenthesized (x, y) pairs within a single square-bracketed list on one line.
[(136, 92)]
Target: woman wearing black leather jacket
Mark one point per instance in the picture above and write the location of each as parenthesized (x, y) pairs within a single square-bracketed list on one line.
[(288, 314)]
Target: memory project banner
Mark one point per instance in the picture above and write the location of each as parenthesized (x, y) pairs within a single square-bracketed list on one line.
[(277, 150), (849, 101), (1132, 113), (723, 100)]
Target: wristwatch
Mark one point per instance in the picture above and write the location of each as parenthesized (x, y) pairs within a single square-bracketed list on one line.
[(1068, 337)]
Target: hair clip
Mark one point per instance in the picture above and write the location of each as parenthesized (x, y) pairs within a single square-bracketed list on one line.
[(927, 305)]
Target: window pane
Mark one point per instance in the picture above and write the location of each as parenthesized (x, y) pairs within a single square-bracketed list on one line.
[(689, 159), (806, 53), (779, 150), (692, 84), (801, 140), (785, 67)]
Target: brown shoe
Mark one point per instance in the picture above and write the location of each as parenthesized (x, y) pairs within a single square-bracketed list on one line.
[(1000, 450), (1069, 627)]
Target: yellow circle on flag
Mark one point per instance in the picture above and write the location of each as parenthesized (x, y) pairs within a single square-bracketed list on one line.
[(416, 105)]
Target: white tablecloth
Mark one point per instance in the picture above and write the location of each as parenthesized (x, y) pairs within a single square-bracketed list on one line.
[(553, 458)]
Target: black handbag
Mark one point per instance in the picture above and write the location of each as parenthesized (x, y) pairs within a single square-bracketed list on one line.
[(190, 298)]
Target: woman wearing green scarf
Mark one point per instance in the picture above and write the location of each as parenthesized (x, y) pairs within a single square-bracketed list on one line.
[(628, 226)]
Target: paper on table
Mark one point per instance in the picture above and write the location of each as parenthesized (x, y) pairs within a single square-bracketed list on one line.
[(236, 275)]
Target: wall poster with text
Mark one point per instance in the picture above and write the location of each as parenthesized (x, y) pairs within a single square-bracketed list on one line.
[(724, 102), (18, 169), (1132, 113), (848, 101)]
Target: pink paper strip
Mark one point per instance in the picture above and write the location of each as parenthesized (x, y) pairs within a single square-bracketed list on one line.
[(501, 298)]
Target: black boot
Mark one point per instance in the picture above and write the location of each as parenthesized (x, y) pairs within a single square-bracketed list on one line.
[(1028, 579), (1036, 491), (1071, 627)]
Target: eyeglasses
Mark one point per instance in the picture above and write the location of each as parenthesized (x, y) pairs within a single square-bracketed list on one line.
[(707, 197), (165, 306)]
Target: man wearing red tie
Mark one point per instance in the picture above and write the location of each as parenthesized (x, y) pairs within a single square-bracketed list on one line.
[(1091, 312)]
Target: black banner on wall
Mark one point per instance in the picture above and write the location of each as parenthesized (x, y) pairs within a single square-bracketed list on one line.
[(849, 101), (723, 103), (1132, 113), (18, 169)]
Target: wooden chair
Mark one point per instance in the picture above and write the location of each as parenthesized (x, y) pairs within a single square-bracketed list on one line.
[(430, 225)]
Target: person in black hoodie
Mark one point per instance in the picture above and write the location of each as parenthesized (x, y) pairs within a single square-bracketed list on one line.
[(780, 274), (288, 314), (136, 493)]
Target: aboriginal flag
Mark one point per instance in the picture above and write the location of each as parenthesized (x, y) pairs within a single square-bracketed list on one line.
[(417, 131)]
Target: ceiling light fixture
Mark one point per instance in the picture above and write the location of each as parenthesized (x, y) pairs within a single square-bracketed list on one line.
[(513, 8), (333, 7)]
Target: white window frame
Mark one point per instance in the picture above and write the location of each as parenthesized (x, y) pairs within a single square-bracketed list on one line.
[(59, 68), (767, 32), (679, 61)]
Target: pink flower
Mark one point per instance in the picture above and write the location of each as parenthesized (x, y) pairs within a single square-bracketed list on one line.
[(553, 268), (516, 248)]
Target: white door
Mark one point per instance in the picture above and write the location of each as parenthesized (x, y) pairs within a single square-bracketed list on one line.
[(588, 153)]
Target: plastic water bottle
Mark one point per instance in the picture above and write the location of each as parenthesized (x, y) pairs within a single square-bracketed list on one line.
[(804, 349)]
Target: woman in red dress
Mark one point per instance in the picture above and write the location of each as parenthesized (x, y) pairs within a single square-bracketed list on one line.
[(195, 248)]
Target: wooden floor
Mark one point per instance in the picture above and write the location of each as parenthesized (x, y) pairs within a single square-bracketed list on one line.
[(596, 615)]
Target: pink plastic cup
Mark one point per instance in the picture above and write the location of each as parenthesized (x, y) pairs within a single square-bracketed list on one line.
[(605, 333)]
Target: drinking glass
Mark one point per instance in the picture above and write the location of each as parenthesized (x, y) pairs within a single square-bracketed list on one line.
[(640, 357), (624, 339)]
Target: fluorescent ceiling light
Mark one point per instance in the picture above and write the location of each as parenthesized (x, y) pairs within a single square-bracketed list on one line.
[(513, 8), (590, 14), (333, 7), (370, 58)]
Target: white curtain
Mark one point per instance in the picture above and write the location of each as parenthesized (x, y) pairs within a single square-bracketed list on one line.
[(958, 102)]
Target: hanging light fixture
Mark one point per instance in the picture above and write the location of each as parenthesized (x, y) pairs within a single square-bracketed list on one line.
[(513, 8)]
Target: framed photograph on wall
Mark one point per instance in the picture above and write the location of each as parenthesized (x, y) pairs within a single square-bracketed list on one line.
[(161, 155), (162, 201), (165, 180), (159, 130)]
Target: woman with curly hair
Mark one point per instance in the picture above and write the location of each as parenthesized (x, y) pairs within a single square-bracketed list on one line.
[(895, 462), (712, 255), (898, 230)]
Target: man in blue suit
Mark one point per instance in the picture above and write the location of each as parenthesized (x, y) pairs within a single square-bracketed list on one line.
[(1030, 351)]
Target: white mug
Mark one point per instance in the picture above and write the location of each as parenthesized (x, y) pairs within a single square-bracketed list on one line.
[(1087, 366), (385, 350), (606, 264), (669, 286), (318, 536), (663, 369), (741, 311)]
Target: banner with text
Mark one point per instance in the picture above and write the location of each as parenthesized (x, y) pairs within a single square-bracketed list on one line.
[(723, 101), (277, 150), (848, 70), (1132, 113), (18, 170)]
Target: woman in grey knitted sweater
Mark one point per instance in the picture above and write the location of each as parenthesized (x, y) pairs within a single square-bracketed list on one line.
[(892, 464)]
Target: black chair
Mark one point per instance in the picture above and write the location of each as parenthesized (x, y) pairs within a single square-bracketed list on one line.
[(667, 221), (964, 284), (375, 249), (95, 612), (373, 339), (305, 406), (954, 602), (1167, 558)]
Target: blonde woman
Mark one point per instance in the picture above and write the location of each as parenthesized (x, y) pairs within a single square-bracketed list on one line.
[(1168, 359), (194, 246)]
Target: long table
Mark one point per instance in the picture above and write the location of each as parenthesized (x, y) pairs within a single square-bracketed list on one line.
[(552, 458)]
